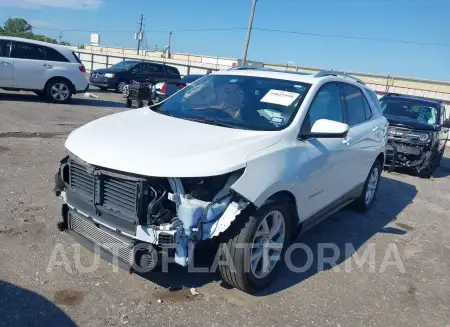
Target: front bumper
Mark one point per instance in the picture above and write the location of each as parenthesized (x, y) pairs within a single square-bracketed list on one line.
[(399, 154), (109, 83)]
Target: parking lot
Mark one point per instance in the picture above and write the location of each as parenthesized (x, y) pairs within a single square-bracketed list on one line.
[(411, 219)]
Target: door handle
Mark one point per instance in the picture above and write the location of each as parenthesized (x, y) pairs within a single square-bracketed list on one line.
[(5, 63), (47, 66), (346, 141)]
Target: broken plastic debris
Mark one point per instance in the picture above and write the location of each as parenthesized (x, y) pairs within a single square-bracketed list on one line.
[(159, 301), (90, 95), (194, 292)]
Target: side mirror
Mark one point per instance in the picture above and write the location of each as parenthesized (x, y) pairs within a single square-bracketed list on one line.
[(324, 128), (446, 123)]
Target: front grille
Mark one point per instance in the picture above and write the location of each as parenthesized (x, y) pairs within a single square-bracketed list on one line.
[(81, 180), (99, 236), (119, 194)]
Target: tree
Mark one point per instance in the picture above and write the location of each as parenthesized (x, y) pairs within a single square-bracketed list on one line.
[(17, 25)]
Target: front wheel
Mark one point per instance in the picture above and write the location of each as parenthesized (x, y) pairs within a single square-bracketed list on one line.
[(251, 258), (120, 86), (58, 91), (370, 189)]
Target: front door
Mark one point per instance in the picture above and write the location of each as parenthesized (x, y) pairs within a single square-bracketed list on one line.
[(6, 64), (322, 178)]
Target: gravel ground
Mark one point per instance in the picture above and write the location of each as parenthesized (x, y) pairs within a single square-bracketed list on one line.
[(411, 216)]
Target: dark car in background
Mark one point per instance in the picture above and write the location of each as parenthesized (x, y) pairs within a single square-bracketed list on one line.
[(165, 90), (418, 132), (121, 74)]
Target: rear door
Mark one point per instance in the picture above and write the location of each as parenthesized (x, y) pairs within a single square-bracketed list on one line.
[(363, 139), (6, 64), (29, 65)]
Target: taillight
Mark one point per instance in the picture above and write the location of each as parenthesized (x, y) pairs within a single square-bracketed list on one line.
[(164, 88), (82, 69), (182, 86)]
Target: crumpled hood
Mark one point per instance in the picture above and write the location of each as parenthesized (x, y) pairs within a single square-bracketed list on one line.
[(151, 144)]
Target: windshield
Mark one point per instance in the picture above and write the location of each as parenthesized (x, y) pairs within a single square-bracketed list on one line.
[(412, 110), (245, 102), (124, 65)]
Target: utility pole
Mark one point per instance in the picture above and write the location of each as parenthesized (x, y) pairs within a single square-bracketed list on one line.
[(169, 53), (249, 32), (139, 35)]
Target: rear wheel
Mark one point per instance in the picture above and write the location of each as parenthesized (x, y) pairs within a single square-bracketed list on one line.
[(251, 258), (370, 189), (58, 91)]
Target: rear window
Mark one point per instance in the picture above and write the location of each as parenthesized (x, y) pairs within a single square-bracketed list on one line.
[(76, 58), (172, 70), (54, 55)]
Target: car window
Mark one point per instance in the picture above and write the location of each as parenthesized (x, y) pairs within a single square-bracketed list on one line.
[(22, 50), (373, 96), (54, 55), (354, 105), (246, 102), (139, 68), (326, 105), (155, 68), (5, 47), (367, 109), (410, 109), (172, 70)]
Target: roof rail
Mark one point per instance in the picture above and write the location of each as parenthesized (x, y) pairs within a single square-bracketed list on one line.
[(244, 68), (337, 73)]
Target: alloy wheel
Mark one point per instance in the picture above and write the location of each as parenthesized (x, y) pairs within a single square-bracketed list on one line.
[(268, 244), (60, 91), (372, 185)]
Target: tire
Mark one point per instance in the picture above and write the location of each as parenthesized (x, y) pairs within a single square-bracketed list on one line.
[(128, 103), (58, 91), (431, 167), (120, 85), (236, 253), (370, 189)]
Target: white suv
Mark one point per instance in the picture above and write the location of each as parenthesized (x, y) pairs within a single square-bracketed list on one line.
[(50, 70), (246, 157)]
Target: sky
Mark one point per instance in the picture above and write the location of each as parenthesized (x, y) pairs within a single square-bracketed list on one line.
[(424, 22)]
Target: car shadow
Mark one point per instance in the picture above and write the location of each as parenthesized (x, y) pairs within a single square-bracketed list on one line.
[(21, 307), (77, 101), (346, 231), (443, 169), (342, 229), (441, 172)]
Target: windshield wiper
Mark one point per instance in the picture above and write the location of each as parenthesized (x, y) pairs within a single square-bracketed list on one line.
[(161, 111), (214, 122)]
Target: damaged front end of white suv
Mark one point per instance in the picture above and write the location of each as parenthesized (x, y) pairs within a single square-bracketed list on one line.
[(135, 218)]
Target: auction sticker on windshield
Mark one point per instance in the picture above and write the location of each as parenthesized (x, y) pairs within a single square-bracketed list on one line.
[(282, 98)]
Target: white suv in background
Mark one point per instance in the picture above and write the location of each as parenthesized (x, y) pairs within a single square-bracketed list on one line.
[(49, 70), (247, 157)]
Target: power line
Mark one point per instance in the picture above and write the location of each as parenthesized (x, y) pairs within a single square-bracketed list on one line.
[(352, 37)]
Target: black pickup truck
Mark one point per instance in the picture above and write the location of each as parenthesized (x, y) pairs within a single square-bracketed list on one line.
[(418, 132), (121, 74)]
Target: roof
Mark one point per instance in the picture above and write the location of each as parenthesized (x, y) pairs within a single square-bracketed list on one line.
[(409, 97), (20, 39), (291, 75)]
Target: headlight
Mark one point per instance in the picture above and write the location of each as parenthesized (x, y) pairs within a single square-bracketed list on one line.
[(109, 75), (423, 137)]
